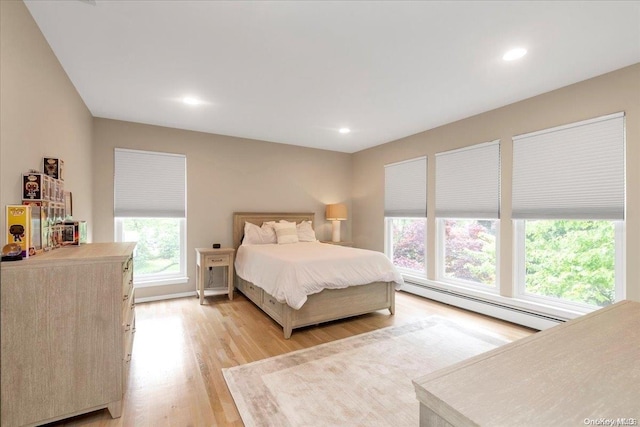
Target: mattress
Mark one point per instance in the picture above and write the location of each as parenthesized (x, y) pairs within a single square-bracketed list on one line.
[(290, 272)]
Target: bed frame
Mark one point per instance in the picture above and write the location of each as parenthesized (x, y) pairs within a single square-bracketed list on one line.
[(328, 305)]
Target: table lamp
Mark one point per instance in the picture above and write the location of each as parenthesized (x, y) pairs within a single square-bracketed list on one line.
[(336, 213)]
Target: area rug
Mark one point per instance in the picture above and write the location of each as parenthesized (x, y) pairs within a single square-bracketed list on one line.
[(363, 380)]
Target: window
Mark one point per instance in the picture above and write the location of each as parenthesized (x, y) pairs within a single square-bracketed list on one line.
[(467, 210), (405, 209), (160, 250), (149, 208), (568, 207), (407, 239), (571, 260), (469, 251)]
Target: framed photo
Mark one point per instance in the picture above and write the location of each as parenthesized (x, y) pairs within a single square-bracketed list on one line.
[(68, 204)]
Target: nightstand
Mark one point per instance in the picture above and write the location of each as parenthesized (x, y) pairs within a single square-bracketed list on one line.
[(208, 258), (350, 244)]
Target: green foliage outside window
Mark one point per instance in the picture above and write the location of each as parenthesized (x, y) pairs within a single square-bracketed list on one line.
[(571, 260), (158, 248)]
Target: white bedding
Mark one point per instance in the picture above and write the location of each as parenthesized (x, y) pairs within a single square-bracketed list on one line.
[(291, 272)]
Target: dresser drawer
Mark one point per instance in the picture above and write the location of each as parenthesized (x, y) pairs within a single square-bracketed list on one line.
[(216, 260), (127, 290), (127, 278), (272, 307), (129, 329), (128, 313), (127, 267), (127, 354), (128, 343), (126, 365)]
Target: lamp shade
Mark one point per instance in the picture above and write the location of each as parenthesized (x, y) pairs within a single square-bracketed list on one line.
[(336, 212)]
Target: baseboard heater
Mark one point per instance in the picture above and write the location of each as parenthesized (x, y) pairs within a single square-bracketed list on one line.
[(490, 308)]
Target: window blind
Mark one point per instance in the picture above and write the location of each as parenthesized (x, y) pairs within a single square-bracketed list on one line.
[(571, 172), (468, 182), (149, 184), (405, 188)]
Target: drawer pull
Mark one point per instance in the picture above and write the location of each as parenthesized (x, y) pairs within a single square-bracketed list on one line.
[(126, 328), (272, 301), (125, 297), (216, 260)]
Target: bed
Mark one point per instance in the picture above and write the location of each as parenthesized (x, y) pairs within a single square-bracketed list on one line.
[(324, 306)]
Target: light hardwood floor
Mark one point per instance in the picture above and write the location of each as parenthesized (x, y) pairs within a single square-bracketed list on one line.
[(181, 346)]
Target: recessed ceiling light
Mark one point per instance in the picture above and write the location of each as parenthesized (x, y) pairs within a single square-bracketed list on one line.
[(189, 100), (516, 53), (344, 130)]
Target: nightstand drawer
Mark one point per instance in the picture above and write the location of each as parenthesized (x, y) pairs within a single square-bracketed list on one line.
[(216, 260)]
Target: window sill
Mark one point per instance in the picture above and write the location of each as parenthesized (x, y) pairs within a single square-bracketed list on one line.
[(160, 282)]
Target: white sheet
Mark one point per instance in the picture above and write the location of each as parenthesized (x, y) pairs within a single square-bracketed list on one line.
[(291, 272)]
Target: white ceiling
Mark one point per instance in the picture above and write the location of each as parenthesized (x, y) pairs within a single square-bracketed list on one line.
[(295, 72)]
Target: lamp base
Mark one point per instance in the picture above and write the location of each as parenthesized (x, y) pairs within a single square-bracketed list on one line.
[(335, 235)]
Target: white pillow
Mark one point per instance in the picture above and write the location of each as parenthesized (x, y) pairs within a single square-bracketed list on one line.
[(305, 232), (286, 232), (254, 235)]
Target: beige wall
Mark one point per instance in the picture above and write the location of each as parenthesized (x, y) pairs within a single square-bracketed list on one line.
[(224, 174), (609, 93), (41, 113)]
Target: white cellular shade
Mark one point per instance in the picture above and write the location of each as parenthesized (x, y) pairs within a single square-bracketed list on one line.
[(468, 182), (149, 184), (405, 188), (571, 172)]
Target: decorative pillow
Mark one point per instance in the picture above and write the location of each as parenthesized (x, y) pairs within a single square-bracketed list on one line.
[(286, 232), (254, 235), (268, 228), (305, 232)]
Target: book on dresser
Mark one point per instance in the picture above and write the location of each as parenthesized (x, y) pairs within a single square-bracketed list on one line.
[(67, 325)]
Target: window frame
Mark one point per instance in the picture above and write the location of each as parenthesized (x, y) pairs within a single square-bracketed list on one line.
[(150, 279), (519, 270)]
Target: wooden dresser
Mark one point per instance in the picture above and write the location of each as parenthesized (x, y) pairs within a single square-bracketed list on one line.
[(67, 325), (583, 372)]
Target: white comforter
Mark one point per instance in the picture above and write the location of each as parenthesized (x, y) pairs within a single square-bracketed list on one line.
[(291, 272)]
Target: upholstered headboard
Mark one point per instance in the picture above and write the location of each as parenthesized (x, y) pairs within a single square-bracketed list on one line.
[(257, 218)]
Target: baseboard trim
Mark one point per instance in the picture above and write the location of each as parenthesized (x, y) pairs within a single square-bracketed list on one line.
[(168, 296), (499, 311)]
